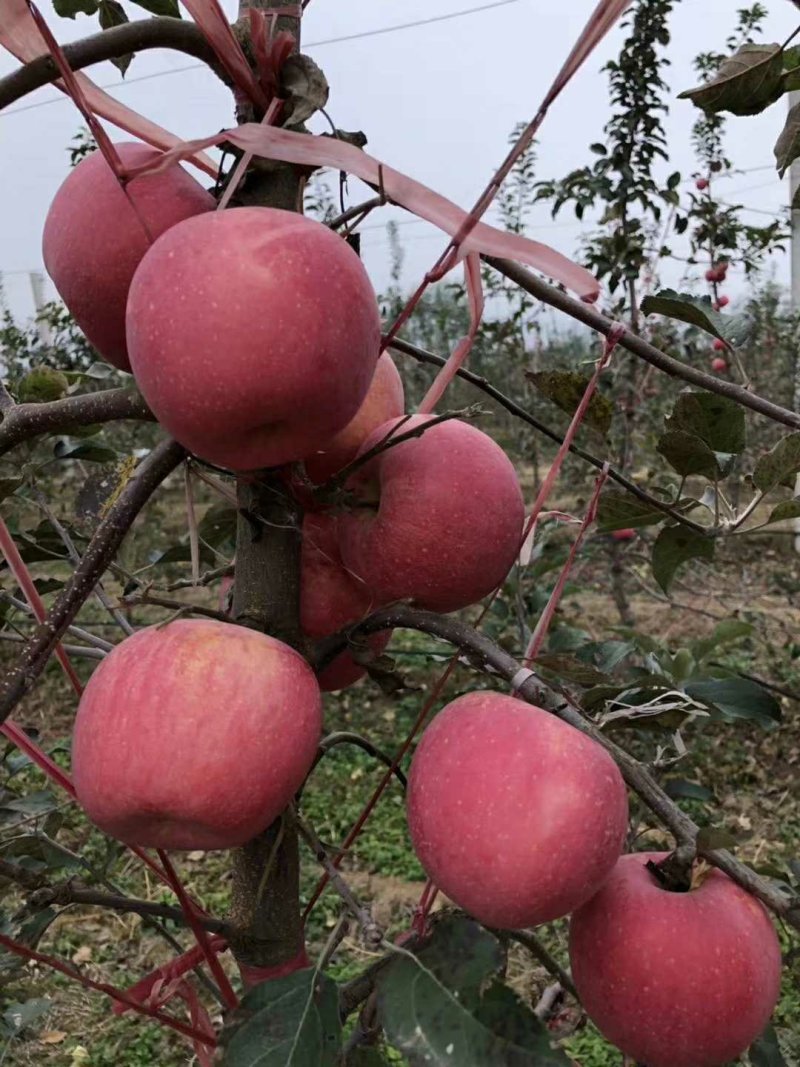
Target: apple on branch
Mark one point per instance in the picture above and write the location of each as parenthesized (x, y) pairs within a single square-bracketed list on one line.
[(194, 735), (253, 335), (516, 816), (439, 517), (675, 979), (97, 232)]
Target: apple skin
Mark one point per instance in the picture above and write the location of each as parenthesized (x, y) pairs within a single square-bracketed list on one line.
[(701, 184), (331, 598), (719, 364), (253, 335), (194, 735), (515, 815), (722, 302), (675, 979), (94, 240), (448, 524), (719, 345), (385, 400)]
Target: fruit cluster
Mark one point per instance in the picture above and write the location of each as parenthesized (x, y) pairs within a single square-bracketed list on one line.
[(254, 336)]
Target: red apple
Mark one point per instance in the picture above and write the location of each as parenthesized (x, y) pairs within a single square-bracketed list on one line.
[(385, 400), (718, 364), (719, 345), (711, 276), (253, 335), (675, 979), (331, 598), (443, 516), (722, 302), (194, 735), (623, 535), (96, 234), (701, 184), (516, 816)]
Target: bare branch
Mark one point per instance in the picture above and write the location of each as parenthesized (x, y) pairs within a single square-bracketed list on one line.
[(173, 605), (346, 737), (207, 578), (483, 384), (99, 553), (73, 650), (24, 421), (532, 943), (139, 36), (484, 655), (639, 347)]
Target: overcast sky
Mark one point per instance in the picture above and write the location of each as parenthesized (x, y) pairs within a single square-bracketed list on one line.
[(436, 101)]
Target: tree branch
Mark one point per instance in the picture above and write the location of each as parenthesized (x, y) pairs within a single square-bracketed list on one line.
[(99, 553), (639, 347), (532, 943), (23, 421), (484, 655), (423, 356), (139, 36), (173, 605)]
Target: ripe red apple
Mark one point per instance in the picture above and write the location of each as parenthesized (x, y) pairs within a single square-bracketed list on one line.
[(711, 276), (675, 979), (385, 400), (443, 516), (718, 364), (96, 234), (722, 302), (331, 598), (719, 345), (516, 816), (194, 735), (701, 184), (253, 335), (623, 535)]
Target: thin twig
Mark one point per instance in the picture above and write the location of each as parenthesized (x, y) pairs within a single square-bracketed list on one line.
[(78, 631), (532, 943), (182, 606), (484, 655), (346, 737), (100, 551)]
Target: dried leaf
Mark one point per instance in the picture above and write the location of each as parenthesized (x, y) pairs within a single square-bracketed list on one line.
[(744, 84), (304, 83)]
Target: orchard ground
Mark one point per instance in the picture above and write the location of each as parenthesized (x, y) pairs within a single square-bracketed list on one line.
[(750, 771)]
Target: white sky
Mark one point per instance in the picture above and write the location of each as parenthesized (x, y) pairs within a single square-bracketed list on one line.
[(436, 101)]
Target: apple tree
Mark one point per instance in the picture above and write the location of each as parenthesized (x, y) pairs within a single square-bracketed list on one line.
[(242, 339)]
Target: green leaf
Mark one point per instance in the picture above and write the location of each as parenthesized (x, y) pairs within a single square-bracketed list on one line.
[(9, 485), (787, 147), (566, 389), (688, 454), (682, 789), (744, 84), (446, 1005), (110, 14), (169, 8), (765, 1051), (736, 699), (725, 633), (70, 8), (218, 525), (288, 1022), (711, 837), (17, 1016), (779, 464), (41, 385), (697, 311), (572, 670), (674, 546), (787, 509), (619, 510), (85, 450), (716, 420)]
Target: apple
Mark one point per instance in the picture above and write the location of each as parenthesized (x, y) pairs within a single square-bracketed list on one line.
[(331, 598), (194, 735), (440, 518), (719, 345), (253, 335), (711, 276), (718, 364), (721, 303), (623, 535), (701, 184), (96, 233), (515, 815), (384, 400), (675, 979)]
